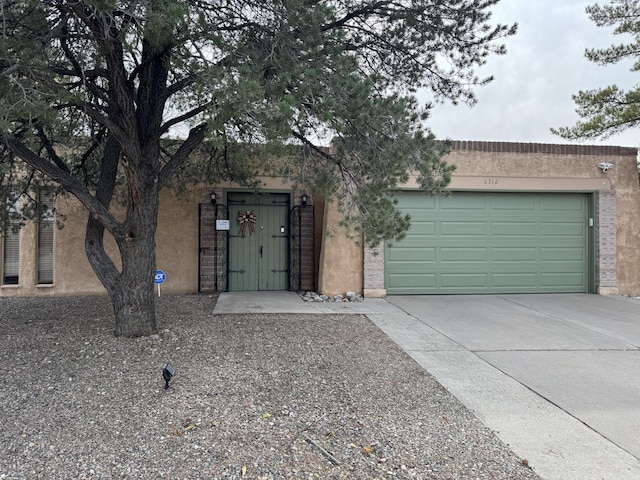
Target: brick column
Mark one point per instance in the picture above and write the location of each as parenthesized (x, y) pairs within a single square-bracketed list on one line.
[(207, 257), (606, 243), (374, 272)]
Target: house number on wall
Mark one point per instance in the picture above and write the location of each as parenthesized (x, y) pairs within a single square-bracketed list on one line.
[(490, 181)]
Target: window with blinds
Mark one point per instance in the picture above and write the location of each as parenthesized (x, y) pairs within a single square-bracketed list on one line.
[(11, 257), (11, 242), (45, 240)]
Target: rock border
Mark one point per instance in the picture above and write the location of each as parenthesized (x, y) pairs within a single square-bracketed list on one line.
[(311, 296)]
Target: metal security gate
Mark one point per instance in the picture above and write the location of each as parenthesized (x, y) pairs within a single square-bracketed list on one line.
[(476, 242), (258, 241), (213, 249), (302, 248)]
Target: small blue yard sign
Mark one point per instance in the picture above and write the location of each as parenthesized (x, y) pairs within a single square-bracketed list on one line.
[(159, 279)]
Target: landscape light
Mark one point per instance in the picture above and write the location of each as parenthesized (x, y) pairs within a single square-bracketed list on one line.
[(167, 372)]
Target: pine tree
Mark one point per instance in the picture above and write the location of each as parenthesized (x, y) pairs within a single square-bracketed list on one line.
[(120, 99), (609, 110)]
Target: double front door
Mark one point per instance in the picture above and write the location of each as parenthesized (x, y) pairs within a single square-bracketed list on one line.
[(258, 241)]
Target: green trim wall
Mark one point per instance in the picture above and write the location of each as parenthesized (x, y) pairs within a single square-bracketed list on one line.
[(479, 242)]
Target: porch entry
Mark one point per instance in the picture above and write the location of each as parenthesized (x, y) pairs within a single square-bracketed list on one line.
[(258, 241)]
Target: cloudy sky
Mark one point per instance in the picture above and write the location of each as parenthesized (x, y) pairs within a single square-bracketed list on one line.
[(534, 81)]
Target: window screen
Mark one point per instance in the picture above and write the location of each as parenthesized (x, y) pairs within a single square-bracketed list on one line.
[(45, 240), (11, 244), (11, 255)]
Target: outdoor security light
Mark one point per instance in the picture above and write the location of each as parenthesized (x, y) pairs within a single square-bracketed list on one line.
[(167, 372), (212, 196), (604, 166)]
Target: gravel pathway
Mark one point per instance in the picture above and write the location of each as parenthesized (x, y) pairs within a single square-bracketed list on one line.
[(254, 396)]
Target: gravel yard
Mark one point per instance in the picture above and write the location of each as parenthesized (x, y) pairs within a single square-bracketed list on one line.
[(254, 396)]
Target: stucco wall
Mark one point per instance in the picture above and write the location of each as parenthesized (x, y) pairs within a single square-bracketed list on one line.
[(176, 240), (177, 243), (341, 257)]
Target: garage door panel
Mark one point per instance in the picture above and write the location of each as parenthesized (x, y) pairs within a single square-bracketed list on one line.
[(463, 280), (422, 228), (416, 267), (418, 242), (462, 229), (458, 255), (418, 281), (561, 279), (409, 255), (421, 221), (563, 229), (563, 255), (514, 255), (515, 281), (490, 243), (513, 229), (562, 203), (555, 267)]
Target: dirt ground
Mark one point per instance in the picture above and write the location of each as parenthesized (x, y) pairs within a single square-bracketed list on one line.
[(253, 396)]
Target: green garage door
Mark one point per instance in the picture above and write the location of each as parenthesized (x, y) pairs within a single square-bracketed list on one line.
[(474, 242)]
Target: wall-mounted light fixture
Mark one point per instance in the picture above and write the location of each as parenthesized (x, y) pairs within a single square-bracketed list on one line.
[(304, 199), (212, 196), (604, 166)]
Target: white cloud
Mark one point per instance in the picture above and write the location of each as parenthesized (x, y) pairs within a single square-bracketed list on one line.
[(534, 81)]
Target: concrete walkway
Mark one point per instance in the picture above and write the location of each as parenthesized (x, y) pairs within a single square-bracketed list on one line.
[(557, 377), (290, 302)]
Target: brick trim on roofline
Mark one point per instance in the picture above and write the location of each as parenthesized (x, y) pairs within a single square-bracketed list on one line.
[(543, 148)]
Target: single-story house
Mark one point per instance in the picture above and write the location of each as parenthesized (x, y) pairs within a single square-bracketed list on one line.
[(520, 218)]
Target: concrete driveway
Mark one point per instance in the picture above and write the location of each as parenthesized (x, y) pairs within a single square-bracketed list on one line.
[(556, 376)]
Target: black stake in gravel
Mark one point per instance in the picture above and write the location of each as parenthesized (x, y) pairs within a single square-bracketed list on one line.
[(167, 372)]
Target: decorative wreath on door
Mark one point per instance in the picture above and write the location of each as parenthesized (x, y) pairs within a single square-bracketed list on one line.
[(245, 218)]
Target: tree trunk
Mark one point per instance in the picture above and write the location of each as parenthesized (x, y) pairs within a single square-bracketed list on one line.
[(131, 289), (132, 297), (133, 300)]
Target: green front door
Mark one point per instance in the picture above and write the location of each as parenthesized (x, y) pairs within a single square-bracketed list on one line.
[(258, 241)]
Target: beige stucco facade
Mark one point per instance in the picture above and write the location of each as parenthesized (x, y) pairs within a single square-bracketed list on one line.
[(338, 263), (176, 242), (179, 243), (341, 258)]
